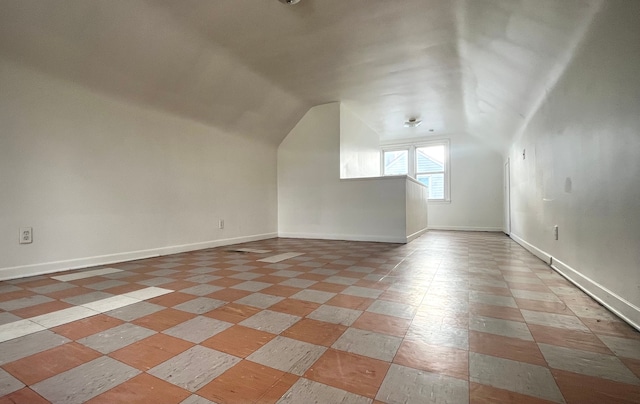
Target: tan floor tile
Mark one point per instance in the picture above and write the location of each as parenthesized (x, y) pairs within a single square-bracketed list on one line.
[(18, 294), (23, 396), (35, 368), (233, 312), (229, 295), (151, 351), (171, 299), (296, 307), (539, 305), (315, 332), (328, 287), (281, 290), (383, 324), (481, 394), (506, 347), (271, 279), (585, 341), (581, 389), (350, 302), (163, 319), (39, 309), (248, 382), (505, 313), (142, 389), (354, 373), (435, 359), (238, 341), (87, 326), (614, 328)]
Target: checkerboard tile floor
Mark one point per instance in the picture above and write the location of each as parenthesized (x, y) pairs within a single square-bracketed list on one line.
[(451, 317)]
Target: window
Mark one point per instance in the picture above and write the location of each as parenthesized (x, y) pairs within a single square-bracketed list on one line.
[(430, 169), (396, 162), (426, 162)]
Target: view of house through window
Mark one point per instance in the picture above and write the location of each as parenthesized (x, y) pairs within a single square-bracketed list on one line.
[(425, 162)]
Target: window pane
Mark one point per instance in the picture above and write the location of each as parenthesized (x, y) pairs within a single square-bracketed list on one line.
[(430, 159), (396, 162), (435, 183)]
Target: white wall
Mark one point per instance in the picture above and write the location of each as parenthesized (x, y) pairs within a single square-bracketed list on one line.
[(359, 147), (417, 209), (101, 180), (475, 186), (582, 166), (313, 202)]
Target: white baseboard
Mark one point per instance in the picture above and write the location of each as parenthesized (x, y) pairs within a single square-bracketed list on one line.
[(345, 237), (617, 304), (78, 263), (415, 235), (465, 228), (624, 309), (532, 249)]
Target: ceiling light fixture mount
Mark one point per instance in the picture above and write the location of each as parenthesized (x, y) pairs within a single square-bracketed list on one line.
[(289, 2), (412, 123)]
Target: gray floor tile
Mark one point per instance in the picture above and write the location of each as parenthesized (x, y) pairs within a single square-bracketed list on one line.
[(155, 281), (335, 315), (625, 347), (270, 321), (288, 355), (479, 297), (135, 311), (316, 296), (506, 328), (587, 363), (245, 276), (515, 376), (194, 368), (440, 335), (112, 283), (6, 318), (260, 300), (200, 305), (204, 278), (252, 286), (202, 289), (362, 292), (394, 309), (197, 329), (55, 287), (554, 320), (86, 298), (21, 303), (308, 391), (527, 294), (8, 383), (403, 385), (163, 272), (194, 399), (341, 280), (115, 338), (368, 343), (29, 344), (298, 283), (85, 381)]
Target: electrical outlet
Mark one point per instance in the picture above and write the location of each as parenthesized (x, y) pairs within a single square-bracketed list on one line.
[(221, 224), (26, 235), (555, 231)]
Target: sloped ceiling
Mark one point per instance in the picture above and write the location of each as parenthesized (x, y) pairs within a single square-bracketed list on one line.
[(253, 67)]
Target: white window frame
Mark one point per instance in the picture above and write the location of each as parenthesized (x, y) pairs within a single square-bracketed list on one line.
[(412, 157)]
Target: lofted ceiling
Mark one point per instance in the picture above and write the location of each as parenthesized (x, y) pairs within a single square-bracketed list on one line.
[(254, 67)]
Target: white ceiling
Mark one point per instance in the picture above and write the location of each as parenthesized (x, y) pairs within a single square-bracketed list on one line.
[(253, 67)]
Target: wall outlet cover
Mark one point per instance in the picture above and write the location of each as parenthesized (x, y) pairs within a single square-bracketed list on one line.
[(26, 235)]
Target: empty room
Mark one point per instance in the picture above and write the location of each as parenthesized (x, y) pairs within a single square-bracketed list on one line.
[(319, 201)]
